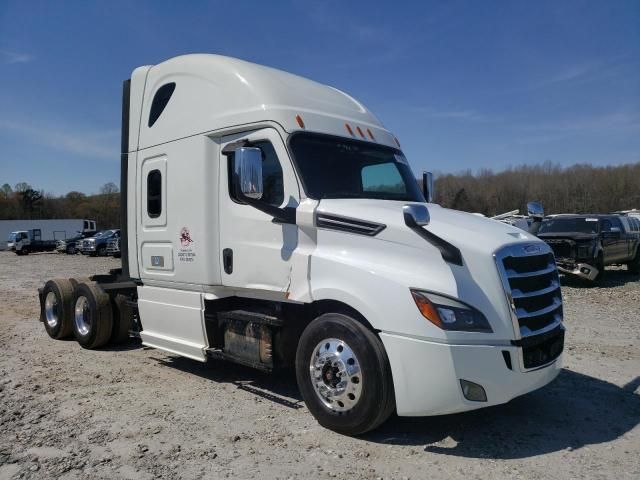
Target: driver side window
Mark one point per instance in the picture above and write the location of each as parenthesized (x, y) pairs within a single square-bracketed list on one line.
[(272, 178)]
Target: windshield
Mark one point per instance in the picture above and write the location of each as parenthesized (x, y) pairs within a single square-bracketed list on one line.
[(560, 225), (333, 167), (12, 237), (105, 234)]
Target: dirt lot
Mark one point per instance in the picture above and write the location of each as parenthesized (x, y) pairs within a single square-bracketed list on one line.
[(132, 412)]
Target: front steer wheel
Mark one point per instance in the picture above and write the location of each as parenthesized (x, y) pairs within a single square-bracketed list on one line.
[(92, 315), (344, 375), (57, 308)]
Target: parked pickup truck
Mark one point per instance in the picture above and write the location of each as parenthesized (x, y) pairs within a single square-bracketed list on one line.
[(585, 244), (98, 245)]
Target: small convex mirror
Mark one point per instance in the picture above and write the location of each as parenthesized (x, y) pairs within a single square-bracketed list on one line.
[(248, 171), (534, 209), (416, 215)]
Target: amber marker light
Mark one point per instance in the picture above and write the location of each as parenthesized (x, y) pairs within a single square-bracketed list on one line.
[(426, 308), (397, 142), (371, 135), (360, 131), (299, 120), (348, 127)]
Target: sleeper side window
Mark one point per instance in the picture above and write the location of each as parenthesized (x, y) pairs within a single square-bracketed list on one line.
[(154, 193), (272, 178), (160, 101)]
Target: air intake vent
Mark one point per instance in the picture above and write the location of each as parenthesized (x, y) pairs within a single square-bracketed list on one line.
[(346, 224)]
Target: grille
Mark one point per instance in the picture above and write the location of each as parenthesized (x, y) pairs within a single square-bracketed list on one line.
[(561, 248), (543, 351), (532, 285)]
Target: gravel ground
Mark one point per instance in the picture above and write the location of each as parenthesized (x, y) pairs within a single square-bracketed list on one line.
[(133, 412)]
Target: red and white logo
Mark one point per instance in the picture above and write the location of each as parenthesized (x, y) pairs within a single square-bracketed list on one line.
[(185, 237)]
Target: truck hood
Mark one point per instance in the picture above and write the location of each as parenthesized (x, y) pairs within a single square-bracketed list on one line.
[(472, 234), (398, 258)]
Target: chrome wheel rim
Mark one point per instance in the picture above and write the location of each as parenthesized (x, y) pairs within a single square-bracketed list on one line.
[(51, 309), (335, 375), (82, 316)]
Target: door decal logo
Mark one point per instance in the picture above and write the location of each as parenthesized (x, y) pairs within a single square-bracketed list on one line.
[(185, 237), (186, 254)]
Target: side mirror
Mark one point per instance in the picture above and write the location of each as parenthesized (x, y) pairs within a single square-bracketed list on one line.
[(416, 215), (427, 186), (248, 171), (535, 210)]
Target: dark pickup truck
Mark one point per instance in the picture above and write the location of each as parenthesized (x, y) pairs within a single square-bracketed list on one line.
[(585, 244)]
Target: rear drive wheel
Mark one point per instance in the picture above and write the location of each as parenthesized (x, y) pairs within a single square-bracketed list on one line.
[(93, 319), (344, 375), (71, 250), (634, 265), (57, 308)]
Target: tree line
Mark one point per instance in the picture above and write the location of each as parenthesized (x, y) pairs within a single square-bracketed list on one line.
[(25, 202), (575, 189)]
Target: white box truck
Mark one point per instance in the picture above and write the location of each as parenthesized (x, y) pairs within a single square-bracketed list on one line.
[(25, 236), (273, 221)]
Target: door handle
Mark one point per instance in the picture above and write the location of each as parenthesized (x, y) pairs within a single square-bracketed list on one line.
[(227, 260)]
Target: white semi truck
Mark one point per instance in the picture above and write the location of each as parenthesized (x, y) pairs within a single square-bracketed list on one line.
[(273, 221)]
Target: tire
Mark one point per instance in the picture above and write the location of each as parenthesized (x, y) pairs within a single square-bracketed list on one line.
[(368, 398), (57, 308), (76, 281), (634, 265), (102, 251), (93, 318), (122, 318), (71, 250)]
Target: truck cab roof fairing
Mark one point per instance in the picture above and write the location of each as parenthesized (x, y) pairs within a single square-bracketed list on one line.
[(213, 92)]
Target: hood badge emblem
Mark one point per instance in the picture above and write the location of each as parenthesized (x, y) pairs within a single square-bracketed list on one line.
[(531, 249)]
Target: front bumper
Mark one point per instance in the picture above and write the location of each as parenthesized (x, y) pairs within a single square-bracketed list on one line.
[(426, 375), (581, 270)]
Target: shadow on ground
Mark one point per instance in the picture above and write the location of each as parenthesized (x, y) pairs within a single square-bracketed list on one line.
[(574, 411), (612, 279), (279, 387)]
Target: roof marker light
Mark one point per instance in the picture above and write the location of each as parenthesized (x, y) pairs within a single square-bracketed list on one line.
[(348, 127), (371, 135), (299, 120), (397, 142), (360, 131)]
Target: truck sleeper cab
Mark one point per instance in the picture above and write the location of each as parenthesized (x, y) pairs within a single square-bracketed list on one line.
[(273, 221)]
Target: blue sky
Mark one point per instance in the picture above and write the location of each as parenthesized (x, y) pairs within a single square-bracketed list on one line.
[(464, 85)]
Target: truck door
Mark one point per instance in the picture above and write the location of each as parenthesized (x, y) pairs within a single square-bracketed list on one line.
[(614, 240), (256, 252)]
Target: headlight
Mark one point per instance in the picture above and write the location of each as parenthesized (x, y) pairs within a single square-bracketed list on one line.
[(449, 314)]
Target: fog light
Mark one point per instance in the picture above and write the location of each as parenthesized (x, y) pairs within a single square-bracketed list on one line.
[(473, 391)]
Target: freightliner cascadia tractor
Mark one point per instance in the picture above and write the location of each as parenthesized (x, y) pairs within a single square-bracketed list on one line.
[(273, 221)]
